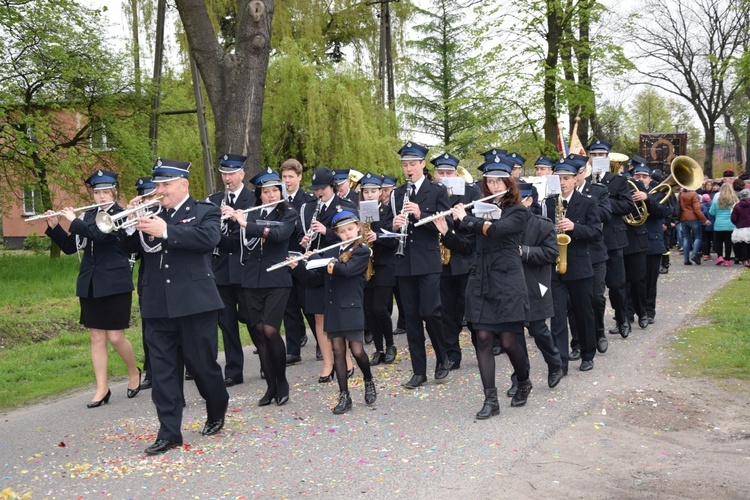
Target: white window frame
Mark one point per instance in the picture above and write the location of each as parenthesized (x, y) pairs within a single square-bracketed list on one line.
[(29, 192)]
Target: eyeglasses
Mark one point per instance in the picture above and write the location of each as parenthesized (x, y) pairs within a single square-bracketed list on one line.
[(494, 182)]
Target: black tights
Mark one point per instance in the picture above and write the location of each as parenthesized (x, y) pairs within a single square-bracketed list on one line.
[(486, 359), (272, 354), (339, 361), (378, 318)]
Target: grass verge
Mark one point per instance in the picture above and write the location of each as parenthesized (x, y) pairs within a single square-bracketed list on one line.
[(720, 348)]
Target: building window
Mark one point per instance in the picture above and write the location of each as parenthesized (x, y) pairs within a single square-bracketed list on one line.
[(29, 201), (98, 136)]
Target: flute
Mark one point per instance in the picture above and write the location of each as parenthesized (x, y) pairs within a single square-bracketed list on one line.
[(304, 257), (438, 215), (253, 209)]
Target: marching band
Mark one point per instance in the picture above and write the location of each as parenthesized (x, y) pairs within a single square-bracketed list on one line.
[(502, 256)]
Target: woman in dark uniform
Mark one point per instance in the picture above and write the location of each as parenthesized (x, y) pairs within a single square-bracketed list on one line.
[(496, 298), (105, 283), (266, 233), (344, 280), (379, 288)]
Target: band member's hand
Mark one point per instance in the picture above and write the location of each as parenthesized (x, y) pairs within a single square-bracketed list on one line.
[(566, 225), (52, 222), (370, 237), (68, 213), (520, 250), (227, 211), (154, 226), (237, 215), (303, 242), (413, 209), (292, 265), (639, 196), (526, 202), (398, 221), (135, 201), (459, 212), (318, 227), (441, 224)]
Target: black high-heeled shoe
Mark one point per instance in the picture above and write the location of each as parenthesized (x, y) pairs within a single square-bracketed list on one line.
[(282, 399), (350, 373), (267, 397), (327, 378), (134, 392), (97, 404)]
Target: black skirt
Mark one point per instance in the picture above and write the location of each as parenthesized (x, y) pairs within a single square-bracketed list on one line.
[(507, 326), (266, 305), (107, 313), (350, 335)]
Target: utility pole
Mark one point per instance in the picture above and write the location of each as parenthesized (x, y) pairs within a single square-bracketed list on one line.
[(153, 132), (385, 56)]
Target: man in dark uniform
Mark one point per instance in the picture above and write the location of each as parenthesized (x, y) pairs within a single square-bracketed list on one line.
[(294, 318), (180, 302), (635, 254), (343, 186), (598, 251), (146, 189), (418, 265), (615, 237), (227, 263), (456, 270), (655, 223), (577, 216)]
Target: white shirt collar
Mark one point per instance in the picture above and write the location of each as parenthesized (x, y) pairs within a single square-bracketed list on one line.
[(418, 184), (179, 205)]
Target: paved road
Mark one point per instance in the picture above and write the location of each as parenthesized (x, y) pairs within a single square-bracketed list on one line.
[(418, 443)]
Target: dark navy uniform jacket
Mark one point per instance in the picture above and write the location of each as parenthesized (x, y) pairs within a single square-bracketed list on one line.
[(540, 253), (383, 251), (226, 260), (459, 263), (637, 235), (422, 253), (261, 254), (621, 202), (105, 267), (178, 278), (598, 192)]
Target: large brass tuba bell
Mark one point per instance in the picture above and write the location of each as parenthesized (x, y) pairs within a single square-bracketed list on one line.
[(685, 172)]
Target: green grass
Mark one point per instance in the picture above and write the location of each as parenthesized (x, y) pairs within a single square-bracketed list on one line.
[(720, 348)]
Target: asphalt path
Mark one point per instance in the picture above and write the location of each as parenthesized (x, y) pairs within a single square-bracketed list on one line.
[(418, 444)]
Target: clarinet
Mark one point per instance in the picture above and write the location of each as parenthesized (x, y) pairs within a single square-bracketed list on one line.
[(405, 226), (310, 231)]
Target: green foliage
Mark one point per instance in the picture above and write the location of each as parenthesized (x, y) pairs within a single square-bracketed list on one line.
[(720, 349), (36, 243)]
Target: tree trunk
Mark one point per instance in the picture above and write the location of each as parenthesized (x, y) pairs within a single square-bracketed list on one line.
[(554, 36), (735, 137), (136, 46), (583, 54), (235, 82), (708, 164)]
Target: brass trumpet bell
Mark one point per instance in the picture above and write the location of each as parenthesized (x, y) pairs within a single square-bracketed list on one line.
[(685, 172)]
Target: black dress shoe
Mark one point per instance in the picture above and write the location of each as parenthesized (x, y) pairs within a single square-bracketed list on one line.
[(292, 359), (522, 393), (452, 365), (229, 382), (574, 355), (441, 372), (188, 376), (554, 378), (318, 354), (512, 391), (491, 406), (497, 351), (97, 404), (327, 378), (390, 354), (587, 365), (663, 270), (614, 331), (160, 446), (212, 428), (697, 260), (303, 340), (602, 345), (415, 381), (134, 392), (368, 337), (643, 322), (370, 393), (344, 404), (625, 330), (399, 331), (377, 358), (262, 374), (650, 320), (146, 384)]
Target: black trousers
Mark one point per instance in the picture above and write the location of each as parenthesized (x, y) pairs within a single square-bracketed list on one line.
[(401, 320), (615, 281), (580, 293), (294, 320), (545, 343), (723, 244), (146, 357), (421, 299), (653, 262), (192, 339), (378, 318), (452, 305), (598, 302), (230, 317), (635, 271)]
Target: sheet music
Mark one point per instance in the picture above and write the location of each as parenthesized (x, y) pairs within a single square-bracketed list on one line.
[(553, 185), (316, 263), (599, 165), (455, 185), (368, 211), (487, 211)]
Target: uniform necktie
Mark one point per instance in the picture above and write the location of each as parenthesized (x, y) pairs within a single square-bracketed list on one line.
[(565, 204), (413, 191), (291, 199), (263, 214), (231, 199), (170, 212)]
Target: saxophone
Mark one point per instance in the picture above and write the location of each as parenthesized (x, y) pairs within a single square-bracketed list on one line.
[(370, 264), (563, 240), (445, 253)]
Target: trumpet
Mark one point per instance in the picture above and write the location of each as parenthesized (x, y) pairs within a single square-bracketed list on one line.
[(108, 223), (59, 213), (438, 215), (253, 209)]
